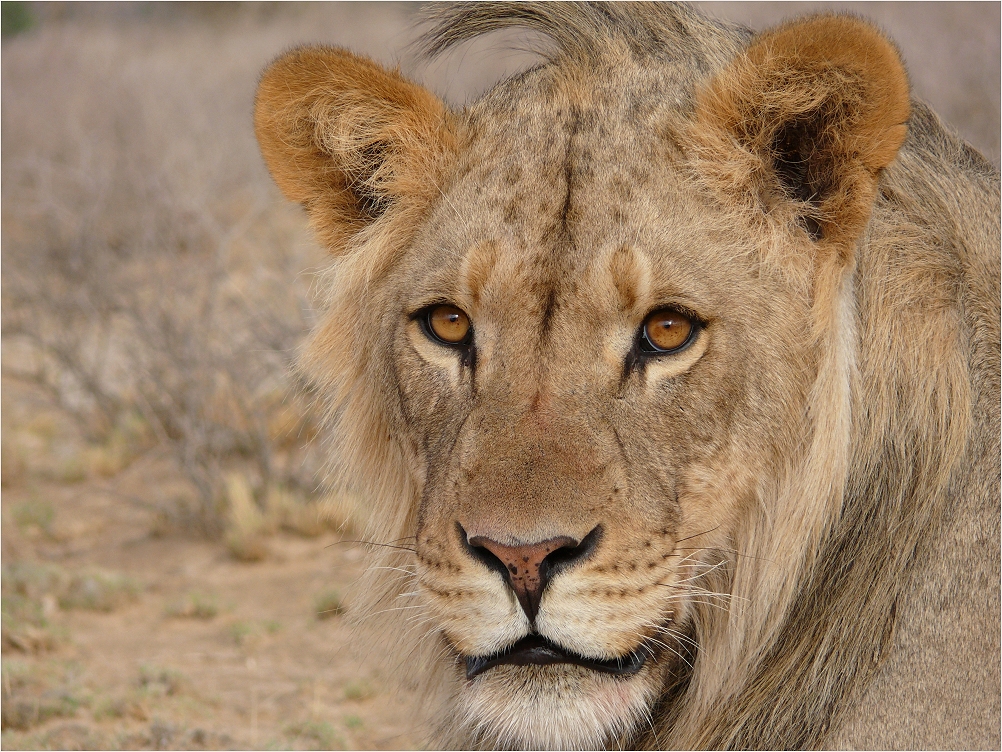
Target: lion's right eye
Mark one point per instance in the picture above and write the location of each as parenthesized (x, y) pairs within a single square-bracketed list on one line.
[(447, 325)]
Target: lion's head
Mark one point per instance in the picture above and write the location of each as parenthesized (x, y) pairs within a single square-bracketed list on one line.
[(591, 350)]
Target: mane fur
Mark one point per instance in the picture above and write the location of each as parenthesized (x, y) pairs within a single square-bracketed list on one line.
[(902, 428), (816, 585), (582, 31)]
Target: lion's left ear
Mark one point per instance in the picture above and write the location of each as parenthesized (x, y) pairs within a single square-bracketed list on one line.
[(816, 109)]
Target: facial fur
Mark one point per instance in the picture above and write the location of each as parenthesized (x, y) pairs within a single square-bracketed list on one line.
[(545, 433)]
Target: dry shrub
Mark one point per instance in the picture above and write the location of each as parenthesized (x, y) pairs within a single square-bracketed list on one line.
[(25, 627), (157, 681), (97, 590), (153, 287), (29, 601), (246, 526), (34, 694), (248, 522), (290, 511), (33, 593), (194, 606)]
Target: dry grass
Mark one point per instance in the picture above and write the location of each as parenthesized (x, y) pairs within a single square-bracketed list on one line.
[(33, 593), (329, 604), (153, 288), (194, 605)]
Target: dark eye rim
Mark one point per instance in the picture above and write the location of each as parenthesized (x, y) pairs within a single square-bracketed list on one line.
[(423, 318), (644, 348)]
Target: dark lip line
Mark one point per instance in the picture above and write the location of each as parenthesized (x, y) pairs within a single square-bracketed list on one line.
[(535, 650)]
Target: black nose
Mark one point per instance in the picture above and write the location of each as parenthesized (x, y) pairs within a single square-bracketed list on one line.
[(528, 568)]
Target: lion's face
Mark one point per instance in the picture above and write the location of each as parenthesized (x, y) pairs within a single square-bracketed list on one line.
[(556, 440), (572, 344)]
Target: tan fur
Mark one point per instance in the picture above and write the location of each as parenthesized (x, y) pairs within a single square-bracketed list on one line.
[(799, 510)]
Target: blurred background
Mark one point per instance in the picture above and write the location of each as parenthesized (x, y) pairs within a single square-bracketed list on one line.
[(173, 574)]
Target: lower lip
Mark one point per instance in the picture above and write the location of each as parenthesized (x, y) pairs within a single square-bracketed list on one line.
[(537, 651)]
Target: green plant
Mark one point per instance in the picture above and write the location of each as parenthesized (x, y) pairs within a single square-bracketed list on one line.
[(323, 733), (15, 18), (240, 631), (97, 590), (328, 604), (34, 513), (353, 722), (194, 605)]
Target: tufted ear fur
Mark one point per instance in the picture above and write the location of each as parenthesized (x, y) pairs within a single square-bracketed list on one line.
[(348, 139), (817, 108)]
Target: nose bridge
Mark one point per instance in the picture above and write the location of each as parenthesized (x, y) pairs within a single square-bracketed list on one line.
[(545, 441), (542, 439), (530, 477)]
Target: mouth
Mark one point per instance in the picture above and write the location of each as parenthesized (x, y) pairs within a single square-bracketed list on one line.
[(538, 651)]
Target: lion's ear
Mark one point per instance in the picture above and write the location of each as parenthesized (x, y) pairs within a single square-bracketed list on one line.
[(348, 139), (817, 108)]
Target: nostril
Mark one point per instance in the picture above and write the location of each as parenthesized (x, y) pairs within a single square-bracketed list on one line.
[(569, 556), (482, 554)]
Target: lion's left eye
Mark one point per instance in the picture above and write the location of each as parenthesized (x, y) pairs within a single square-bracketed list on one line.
[(447, 324), (666, 331)]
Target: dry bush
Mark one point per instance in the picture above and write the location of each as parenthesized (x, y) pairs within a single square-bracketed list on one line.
[(193, 605), (150, 277), (33, 593), (32, 696)]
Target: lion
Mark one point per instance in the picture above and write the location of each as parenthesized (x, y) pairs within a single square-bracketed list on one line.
[(669, 371)]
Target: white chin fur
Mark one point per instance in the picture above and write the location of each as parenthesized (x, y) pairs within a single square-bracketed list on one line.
[(552, 707)]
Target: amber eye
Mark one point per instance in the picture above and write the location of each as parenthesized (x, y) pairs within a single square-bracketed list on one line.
[(666, 331), (448, 324)]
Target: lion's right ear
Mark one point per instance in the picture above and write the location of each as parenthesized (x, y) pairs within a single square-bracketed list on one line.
[(348, 139)]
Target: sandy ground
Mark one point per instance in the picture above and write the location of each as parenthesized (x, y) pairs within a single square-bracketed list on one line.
[(122, 635), (203, 652)]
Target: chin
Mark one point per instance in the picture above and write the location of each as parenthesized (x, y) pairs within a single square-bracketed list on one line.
[(558, 706)]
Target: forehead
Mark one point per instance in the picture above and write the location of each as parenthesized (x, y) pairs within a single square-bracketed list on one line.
[(565, 148), (556, 176)]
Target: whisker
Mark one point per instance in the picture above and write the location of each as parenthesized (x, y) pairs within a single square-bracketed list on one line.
[(694, 590), (387, 568), (712, 604), (684, 638), (394, 608), (727, 550), (664, 645), (688, 591), (397, 579), (696, 535), (650, 722), (371, 543), (702, 574)]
